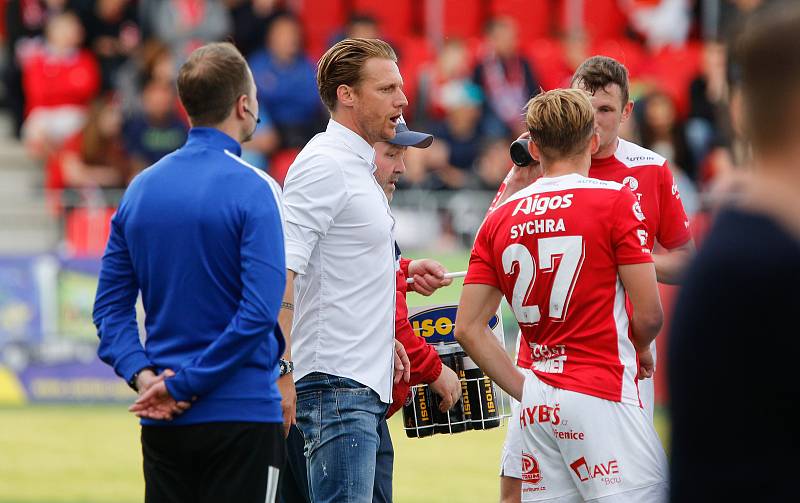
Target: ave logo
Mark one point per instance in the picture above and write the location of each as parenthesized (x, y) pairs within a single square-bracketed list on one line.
[(608, 472)]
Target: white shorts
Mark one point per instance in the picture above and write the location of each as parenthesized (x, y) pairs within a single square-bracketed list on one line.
[(576, 447), (510, 458)]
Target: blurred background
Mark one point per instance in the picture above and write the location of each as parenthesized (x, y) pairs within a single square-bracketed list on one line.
[(88, 99)]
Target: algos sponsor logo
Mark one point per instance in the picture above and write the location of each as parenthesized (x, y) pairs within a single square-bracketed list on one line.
[(539, 204)]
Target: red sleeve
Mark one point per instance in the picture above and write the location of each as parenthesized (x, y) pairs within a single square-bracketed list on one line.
[(673, 229), (76, 85), (481, 263), (629, 234), (85, 90), (425, 363), (33, 82), (404, 263)]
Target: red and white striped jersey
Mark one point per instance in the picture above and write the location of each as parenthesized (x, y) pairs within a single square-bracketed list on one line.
[(553, 249)]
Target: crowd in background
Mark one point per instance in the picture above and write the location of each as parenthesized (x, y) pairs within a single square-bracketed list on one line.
[(90, 84)]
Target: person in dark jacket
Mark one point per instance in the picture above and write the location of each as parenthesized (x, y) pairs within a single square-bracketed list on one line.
[(733, 336)]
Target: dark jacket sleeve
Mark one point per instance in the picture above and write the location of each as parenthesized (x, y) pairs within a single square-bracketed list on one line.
[(114, 312), (263, 281)]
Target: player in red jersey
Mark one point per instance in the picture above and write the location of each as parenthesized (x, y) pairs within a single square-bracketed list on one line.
[(648, 176), (565, 251)]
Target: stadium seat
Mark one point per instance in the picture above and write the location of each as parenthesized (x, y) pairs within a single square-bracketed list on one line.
[(395, 18), (280, 162), (86, 231), (532, 16), (549, 63), (459, 18), (414, 53), (672, 69), (321, 20), (626, 51), (601, 19)]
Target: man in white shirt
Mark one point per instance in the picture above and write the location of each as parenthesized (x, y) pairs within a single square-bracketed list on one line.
[(341, 271)]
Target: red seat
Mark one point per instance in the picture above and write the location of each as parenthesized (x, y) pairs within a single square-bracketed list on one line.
[(415, 52), (458, 18), (628, 52), (86, 231), (321, 20), (601, 19), (549, 63), (395, 18), (532, 16), (280, 162), (672, 69)]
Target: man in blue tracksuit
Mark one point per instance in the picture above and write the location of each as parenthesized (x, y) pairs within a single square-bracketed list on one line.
[(200, 235)]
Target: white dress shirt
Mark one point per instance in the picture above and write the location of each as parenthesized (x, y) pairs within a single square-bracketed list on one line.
[(340, 242)]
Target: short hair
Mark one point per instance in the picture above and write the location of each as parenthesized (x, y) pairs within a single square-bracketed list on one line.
[(210, 82), (561, 122), (599, 72), (768, 55), (342, 65)]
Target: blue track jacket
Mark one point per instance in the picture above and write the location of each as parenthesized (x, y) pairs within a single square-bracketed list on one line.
[(200, 234)]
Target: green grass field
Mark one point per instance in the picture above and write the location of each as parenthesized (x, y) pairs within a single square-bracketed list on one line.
[(91, 454)]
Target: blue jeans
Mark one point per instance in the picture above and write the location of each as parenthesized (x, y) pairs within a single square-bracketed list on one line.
[(293, 485), (339, 420)]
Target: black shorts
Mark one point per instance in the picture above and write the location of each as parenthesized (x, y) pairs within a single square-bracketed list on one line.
[(212, 462)]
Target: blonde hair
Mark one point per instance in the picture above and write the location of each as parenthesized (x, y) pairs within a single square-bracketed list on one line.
[(561, 122), (342, 64)]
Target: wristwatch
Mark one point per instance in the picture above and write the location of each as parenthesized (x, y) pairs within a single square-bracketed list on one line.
[(132, 382), (287, 366)]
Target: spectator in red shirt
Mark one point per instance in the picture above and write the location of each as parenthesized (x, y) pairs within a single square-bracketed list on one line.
[(24, 24), (59, 80)]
